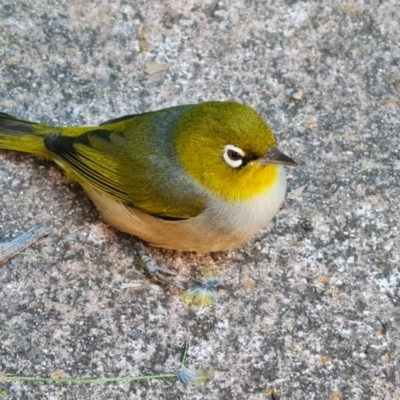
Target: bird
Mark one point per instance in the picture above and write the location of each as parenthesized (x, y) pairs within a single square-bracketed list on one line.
[(198, 177)]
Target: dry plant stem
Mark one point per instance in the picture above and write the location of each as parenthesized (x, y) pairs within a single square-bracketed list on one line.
[(10, 249)]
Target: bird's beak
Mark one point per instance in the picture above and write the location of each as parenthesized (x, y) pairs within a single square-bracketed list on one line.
[(276, 157)]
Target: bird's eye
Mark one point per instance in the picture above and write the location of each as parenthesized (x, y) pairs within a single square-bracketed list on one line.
[(233, 156)]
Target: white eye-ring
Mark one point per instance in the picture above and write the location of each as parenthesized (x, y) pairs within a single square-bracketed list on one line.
[(233, 156)]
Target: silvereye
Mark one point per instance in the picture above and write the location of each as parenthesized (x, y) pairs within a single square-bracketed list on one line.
[(199, 177)]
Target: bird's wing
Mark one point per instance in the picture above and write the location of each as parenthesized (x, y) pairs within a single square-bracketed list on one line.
[(92, 157)]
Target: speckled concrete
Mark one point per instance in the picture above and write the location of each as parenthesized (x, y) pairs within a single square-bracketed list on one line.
[(310, 307)]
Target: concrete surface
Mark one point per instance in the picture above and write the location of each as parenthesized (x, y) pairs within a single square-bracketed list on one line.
[(310, 307)]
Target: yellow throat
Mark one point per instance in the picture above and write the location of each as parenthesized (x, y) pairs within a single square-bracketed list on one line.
[(200, 150)]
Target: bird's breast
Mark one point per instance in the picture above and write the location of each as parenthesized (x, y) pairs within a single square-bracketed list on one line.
[(245, 218), (222, 225)]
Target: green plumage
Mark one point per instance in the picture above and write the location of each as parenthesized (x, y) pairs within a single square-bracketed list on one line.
[(131, 159), (202, 177)]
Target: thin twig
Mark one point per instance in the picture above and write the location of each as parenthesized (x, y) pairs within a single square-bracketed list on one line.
[(10, 249), (183, 374)]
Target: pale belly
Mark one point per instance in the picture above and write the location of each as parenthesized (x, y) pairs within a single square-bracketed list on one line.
[(221, 226)]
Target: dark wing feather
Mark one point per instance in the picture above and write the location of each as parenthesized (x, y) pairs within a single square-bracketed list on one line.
[(87, 156)]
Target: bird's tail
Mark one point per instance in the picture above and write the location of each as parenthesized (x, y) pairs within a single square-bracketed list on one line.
[(17, 134)]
